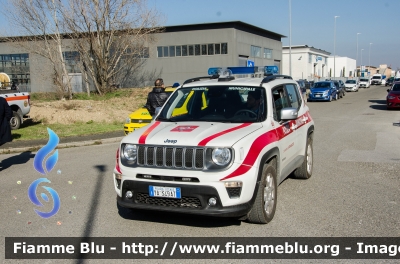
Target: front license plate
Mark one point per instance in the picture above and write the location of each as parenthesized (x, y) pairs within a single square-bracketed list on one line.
[(166, 192), (317, 95)]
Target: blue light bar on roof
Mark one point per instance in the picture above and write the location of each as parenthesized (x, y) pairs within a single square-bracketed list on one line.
[(234, 70), (244, 70), (271, 70)]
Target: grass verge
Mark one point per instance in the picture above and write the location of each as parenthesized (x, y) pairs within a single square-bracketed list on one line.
[(36, 130)]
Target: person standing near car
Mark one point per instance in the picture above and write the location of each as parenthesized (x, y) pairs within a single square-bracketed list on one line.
[(157, 97), (5, 117)]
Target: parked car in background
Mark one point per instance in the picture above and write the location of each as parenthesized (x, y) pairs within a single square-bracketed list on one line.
[(376, 79), (389, 81), (341, 83), (302, 85), (351, 86), (393, 97), (339, 88), (323, 91), (364, 83)]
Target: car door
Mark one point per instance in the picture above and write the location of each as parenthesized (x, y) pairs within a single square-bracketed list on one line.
[(285, 129)]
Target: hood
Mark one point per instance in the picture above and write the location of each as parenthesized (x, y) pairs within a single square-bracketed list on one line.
[(141, 113), (350, 84), (394, 93), (191, 133), (319, 89)]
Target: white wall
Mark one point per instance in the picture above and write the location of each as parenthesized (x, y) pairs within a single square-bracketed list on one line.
[(302, 66), (340, 62)]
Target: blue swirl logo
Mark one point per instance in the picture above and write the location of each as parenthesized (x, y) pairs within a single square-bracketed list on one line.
[(49, 164), (44, 151)]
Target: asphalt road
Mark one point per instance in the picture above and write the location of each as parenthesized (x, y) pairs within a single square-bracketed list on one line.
[(354, 190)]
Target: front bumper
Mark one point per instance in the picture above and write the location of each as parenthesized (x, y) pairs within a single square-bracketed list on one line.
[(319, 98), (194, 200), (129, 128), (351, 89), (393, 103)]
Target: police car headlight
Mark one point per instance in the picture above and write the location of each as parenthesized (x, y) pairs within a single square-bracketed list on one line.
[(221, 156), (127, 120), (130, 152)]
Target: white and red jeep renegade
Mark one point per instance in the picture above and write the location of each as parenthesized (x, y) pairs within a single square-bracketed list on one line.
[(225, 154)]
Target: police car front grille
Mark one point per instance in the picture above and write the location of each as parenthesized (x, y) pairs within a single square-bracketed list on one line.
[(171, 157), (184, 202)]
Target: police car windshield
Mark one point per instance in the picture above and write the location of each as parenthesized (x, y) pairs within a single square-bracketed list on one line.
[(233, 104)]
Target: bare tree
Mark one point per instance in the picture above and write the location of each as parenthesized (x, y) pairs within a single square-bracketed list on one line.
[(112, 37), (39, 21)]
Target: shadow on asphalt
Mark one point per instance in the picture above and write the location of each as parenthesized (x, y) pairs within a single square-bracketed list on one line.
[(20, 158), (379, 107), (378, 101), (175, 218), (91, 213)]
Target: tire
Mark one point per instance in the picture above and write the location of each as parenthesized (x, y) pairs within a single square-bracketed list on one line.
[(264, 207), (336, 97), (330, 98), (357, 90), (305, 170), (15, 121)]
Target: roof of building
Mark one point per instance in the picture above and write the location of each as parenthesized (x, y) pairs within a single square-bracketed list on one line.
[(306, 46), (230, 24)]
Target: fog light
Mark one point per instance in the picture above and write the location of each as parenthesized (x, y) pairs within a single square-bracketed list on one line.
[(129, 194), (212, 201), (233, 184)]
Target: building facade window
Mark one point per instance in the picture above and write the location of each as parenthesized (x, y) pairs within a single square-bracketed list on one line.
[(267, 53), (224, 48), (197, 50), (217, 48), (184, 50), (172, 51), (17, 67), (190, 50), (255, 51), (309, 58)]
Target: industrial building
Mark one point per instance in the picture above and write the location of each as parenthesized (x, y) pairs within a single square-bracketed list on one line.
[(180, 52)]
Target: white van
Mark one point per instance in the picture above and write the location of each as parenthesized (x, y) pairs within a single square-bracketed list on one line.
[(376, 79), (364, 82)]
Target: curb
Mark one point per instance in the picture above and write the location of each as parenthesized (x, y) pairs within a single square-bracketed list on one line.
[(64, 145)]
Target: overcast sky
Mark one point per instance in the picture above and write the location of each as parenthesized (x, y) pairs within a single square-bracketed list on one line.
[(313, 23)]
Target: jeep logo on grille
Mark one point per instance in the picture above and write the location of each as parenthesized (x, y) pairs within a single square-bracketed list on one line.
[(170, 141)]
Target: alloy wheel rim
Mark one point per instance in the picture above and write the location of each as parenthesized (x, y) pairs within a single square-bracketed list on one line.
[(269, 194), (309, 159)]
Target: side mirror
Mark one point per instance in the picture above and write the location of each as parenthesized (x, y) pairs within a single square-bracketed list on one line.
[(289, 113)]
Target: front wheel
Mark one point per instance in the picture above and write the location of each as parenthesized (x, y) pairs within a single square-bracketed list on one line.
[(15, 121), (336, 97), (263, 209), (306, 168)]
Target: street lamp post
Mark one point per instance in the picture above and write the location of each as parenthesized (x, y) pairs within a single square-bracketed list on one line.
[(361, 62), (357, 53), (369, 57), (334, 50)]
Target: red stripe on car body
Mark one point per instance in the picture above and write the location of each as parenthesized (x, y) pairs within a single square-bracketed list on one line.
[(208, 139), (142, 139), (261, 142)]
